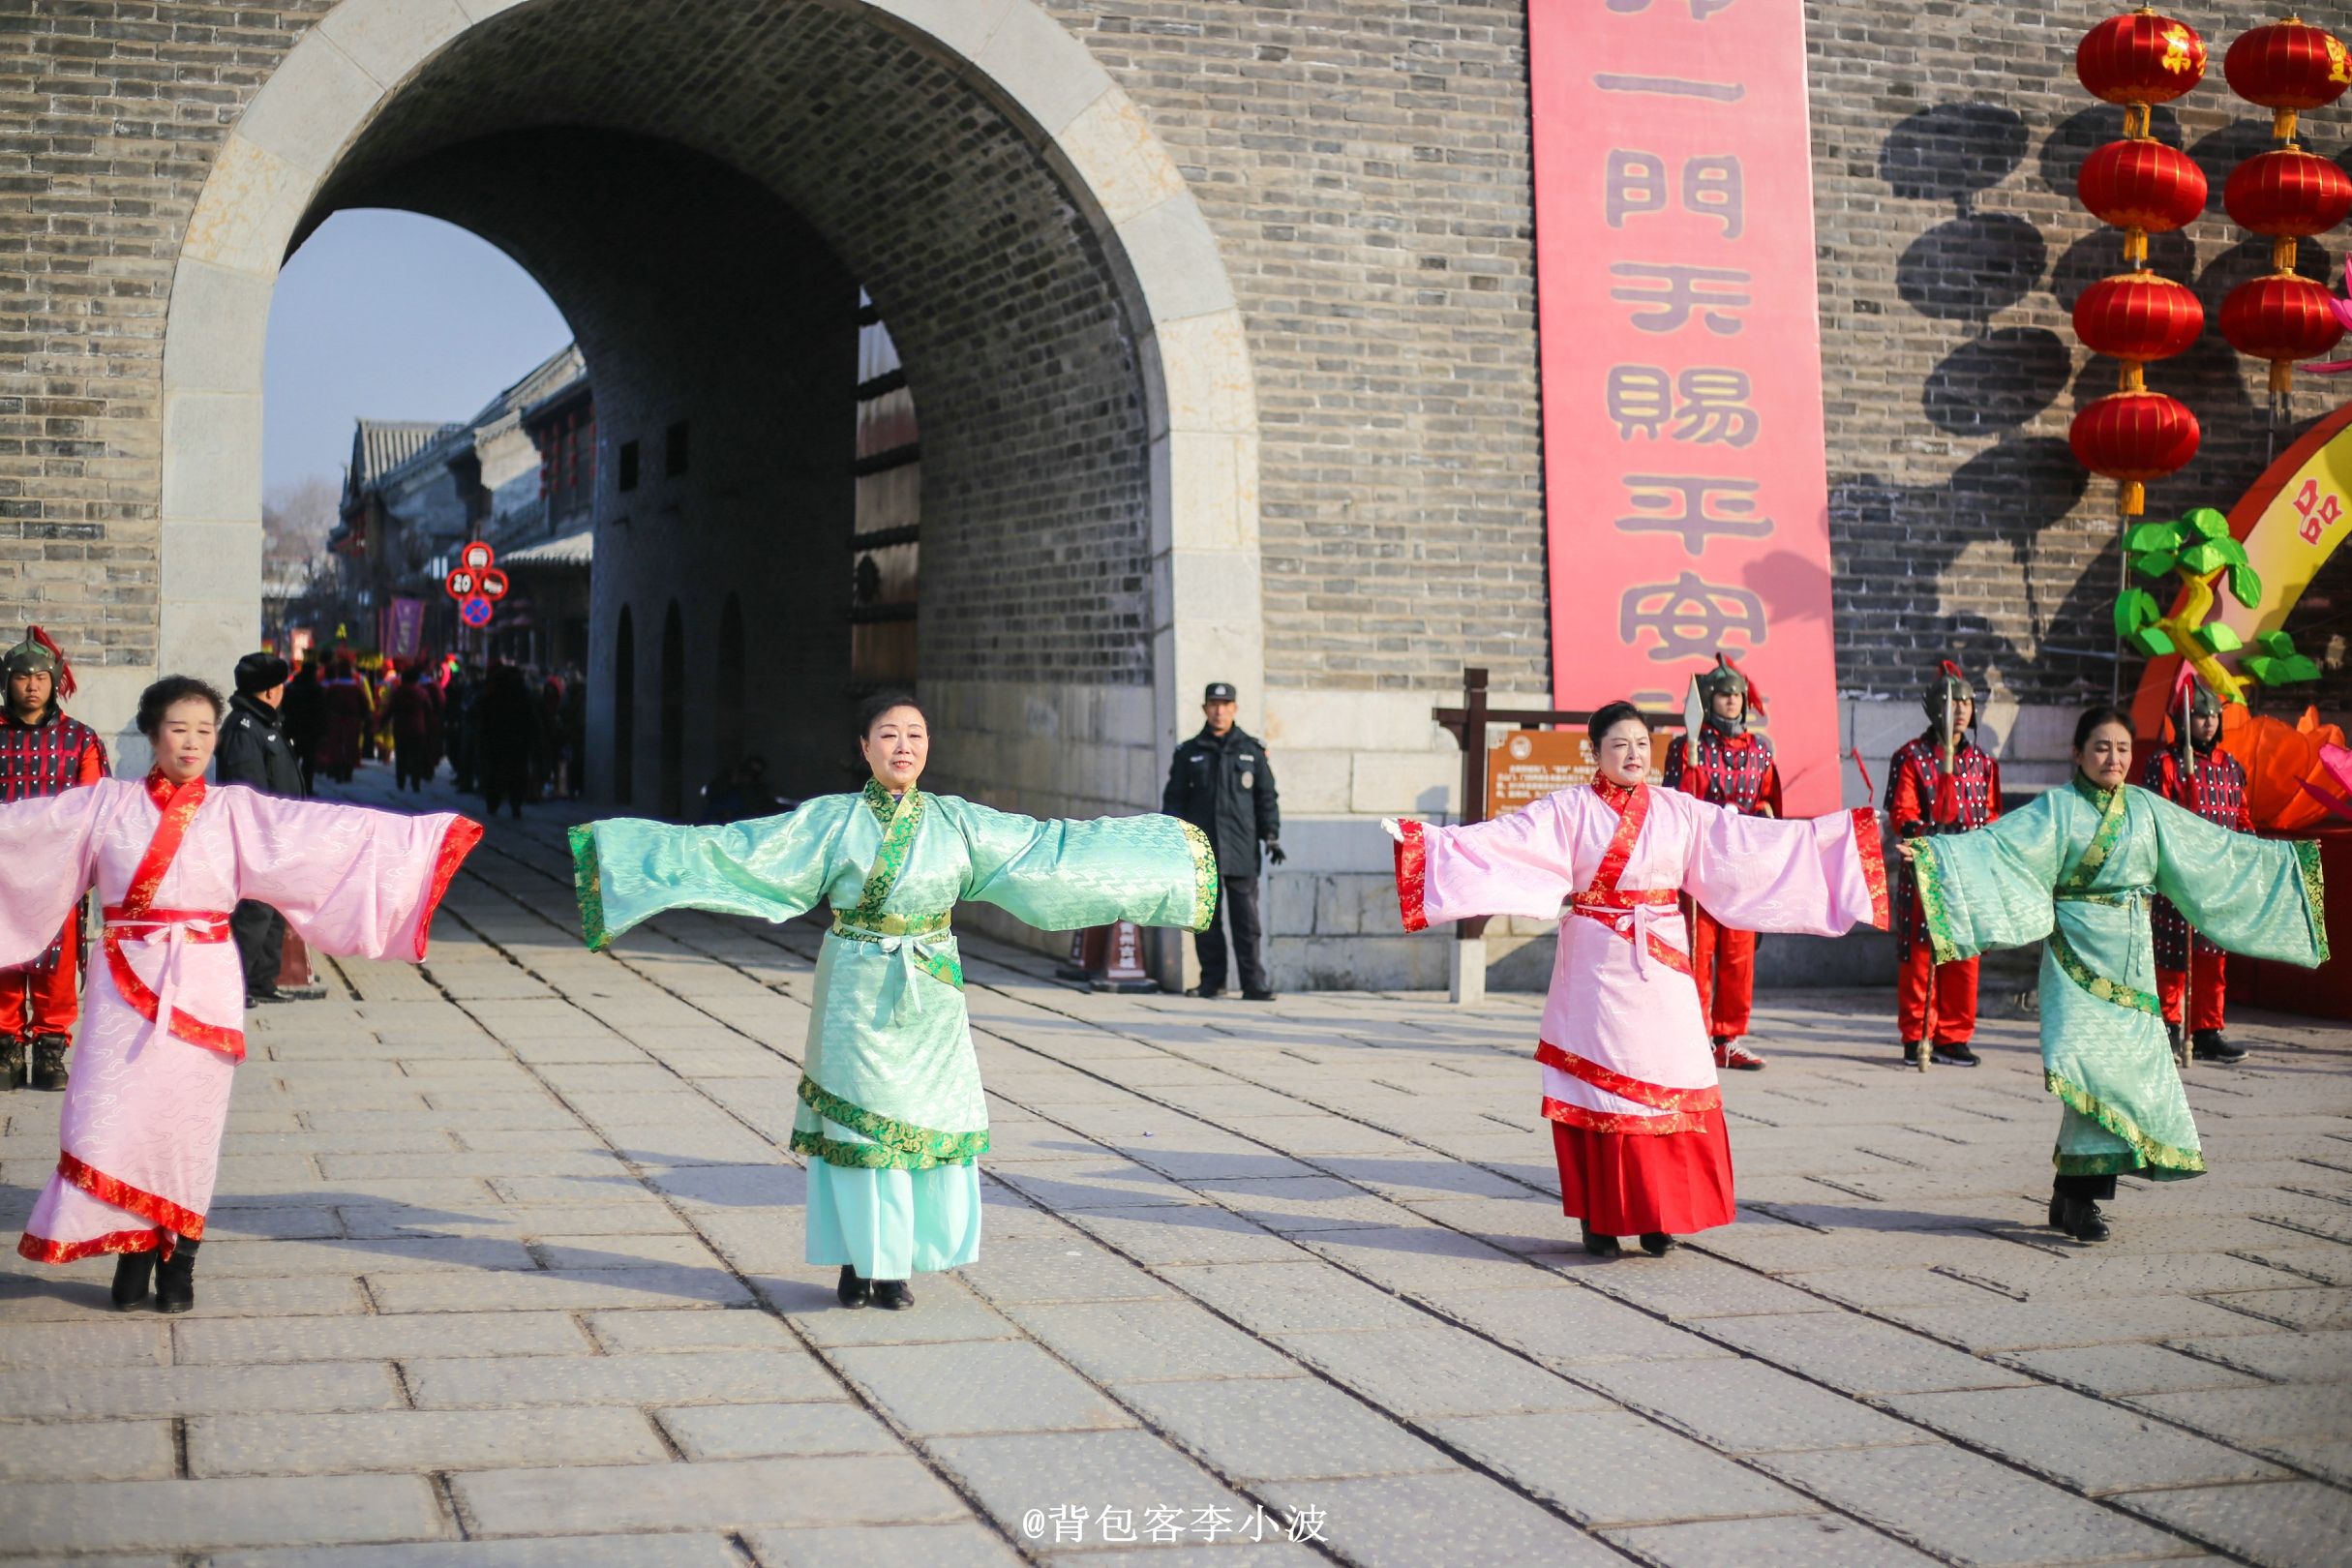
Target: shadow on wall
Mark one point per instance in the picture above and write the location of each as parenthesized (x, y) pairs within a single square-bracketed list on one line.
[(1969, 269)]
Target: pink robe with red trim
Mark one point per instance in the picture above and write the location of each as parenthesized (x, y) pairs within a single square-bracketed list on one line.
[(1624, 1046), (144, 1107)]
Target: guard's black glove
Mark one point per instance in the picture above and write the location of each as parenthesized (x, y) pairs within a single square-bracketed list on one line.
[(1274, 852)]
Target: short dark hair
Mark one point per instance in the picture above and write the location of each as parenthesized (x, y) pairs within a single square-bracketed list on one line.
[(1610, 718), (2093, 719), (160, 698), (870, 712)]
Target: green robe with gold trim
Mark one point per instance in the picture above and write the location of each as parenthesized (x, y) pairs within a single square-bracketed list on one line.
[(2077, 867), (890, 1082)]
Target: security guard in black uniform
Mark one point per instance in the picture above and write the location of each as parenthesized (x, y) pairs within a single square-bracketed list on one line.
[(1221, 783), (252, 750)]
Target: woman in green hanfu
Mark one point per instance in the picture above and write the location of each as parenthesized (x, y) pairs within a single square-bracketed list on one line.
[(891, 1110), (2075, 869)]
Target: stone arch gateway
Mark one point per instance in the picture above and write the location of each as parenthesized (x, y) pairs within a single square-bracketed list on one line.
[(1090, 416)]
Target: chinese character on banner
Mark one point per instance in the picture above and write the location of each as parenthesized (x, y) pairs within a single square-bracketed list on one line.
[(1675, 298)]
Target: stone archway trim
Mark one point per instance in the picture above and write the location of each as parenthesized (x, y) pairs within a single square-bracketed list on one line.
[(1202, 401)]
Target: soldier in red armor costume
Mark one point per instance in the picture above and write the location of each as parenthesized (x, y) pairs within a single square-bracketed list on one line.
[(2215, 789), (1724, 765), (41, 752), (1940, 782)]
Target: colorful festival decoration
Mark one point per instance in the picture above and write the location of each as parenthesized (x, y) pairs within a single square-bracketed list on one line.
[(2298, 776), (2286, 195), (2140, 186), (2288, 523)]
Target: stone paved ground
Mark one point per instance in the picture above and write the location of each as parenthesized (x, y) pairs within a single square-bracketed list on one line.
[(505, 1269)]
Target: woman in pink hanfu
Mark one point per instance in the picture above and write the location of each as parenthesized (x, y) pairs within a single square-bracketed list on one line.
[(161, 1033), (1629, 1072)]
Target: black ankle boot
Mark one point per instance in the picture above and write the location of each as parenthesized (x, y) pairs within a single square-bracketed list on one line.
[(132, 1272), (175, 1279), (50, 1064), (1600, 1246), (854, 1291), (1657, 1243), (14, 1054), (2212, 1045), (2082, 1220), (892, 1295)]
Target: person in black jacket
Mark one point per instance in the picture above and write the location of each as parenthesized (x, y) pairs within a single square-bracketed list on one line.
[(1221, 782), (254, 750)]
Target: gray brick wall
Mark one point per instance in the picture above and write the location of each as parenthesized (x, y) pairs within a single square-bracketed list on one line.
[(1365, 165)]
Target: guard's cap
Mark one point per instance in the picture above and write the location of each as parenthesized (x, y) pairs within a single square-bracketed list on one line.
[(1221, 691), (260, 673)]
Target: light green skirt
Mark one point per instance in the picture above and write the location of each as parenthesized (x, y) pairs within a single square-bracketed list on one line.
[(889, 1224)]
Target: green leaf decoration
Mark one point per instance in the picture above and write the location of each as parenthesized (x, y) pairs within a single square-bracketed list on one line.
[(2232, 551), (2147, 536), (2201, 558), (2206, 523), (2155, 563), (2134, 608), (2218, 638), (2297, 668), (2246, 586), (2153, 641), (2277, 644)]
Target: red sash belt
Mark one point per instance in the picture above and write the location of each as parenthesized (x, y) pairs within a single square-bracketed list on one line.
[(171, 926)]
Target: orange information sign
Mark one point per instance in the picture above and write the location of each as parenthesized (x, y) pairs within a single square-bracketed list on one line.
[(1531, 764)]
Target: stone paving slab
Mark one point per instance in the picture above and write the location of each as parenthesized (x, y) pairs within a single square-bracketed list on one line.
[(544, 1241)]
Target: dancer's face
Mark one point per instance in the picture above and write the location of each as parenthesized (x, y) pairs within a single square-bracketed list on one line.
[(897, 748), (183, 742), (1624, 753), (2105, 758)]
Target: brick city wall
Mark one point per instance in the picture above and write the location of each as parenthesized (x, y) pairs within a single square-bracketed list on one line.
[(1365, 168)]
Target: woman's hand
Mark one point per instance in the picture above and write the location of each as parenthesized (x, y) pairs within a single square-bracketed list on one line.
[(1907, 848), (1393, 828)]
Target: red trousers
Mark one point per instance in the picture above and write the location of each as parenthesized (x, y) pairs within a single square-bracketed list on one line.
[(51, 999), (2210, 990), (1955, 998), (1723, 961)]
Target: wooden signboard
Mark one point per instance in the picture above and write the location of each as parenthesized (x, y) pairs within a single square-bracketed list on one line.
[(1531, 764)]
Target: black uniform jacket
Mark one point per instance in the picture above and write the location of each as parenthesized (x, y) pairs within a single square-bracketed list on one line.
[(1223, 785), (252, 749)]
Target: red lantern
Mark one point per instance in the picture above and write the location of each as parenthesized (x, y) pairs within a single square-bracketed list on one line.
[(2137, 317), (2287, 193), (2141, 187), (2140, 59), (2281, 319), (2134, 436), (2287, 65)]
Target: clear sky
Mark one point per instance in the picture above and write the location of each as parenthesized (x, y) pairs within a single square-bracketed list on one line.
[(394, 316)]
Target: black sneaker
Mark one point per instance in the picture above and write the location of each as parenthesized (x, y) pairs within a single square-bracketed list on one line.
[(1208, 993), (1910, 1053), (1955, 1056), (15, 1062), (2212, 1045), (1257, 996)]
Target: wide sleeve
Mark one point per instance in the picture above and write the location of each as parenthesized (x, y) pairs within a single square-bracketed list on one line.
[(1066, 876), (1992, 887), (1820, 875), (1524, 864), (2257, 897), (626, 870), (48, 852), (353, 880)]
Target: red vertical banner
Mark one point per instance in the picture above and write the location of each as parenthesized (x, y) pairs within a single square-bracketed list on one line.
[(1686, 490)]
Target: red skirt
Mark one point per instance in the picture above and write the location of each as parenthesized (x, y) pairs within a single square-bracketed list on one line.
[(1633, 1183)]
